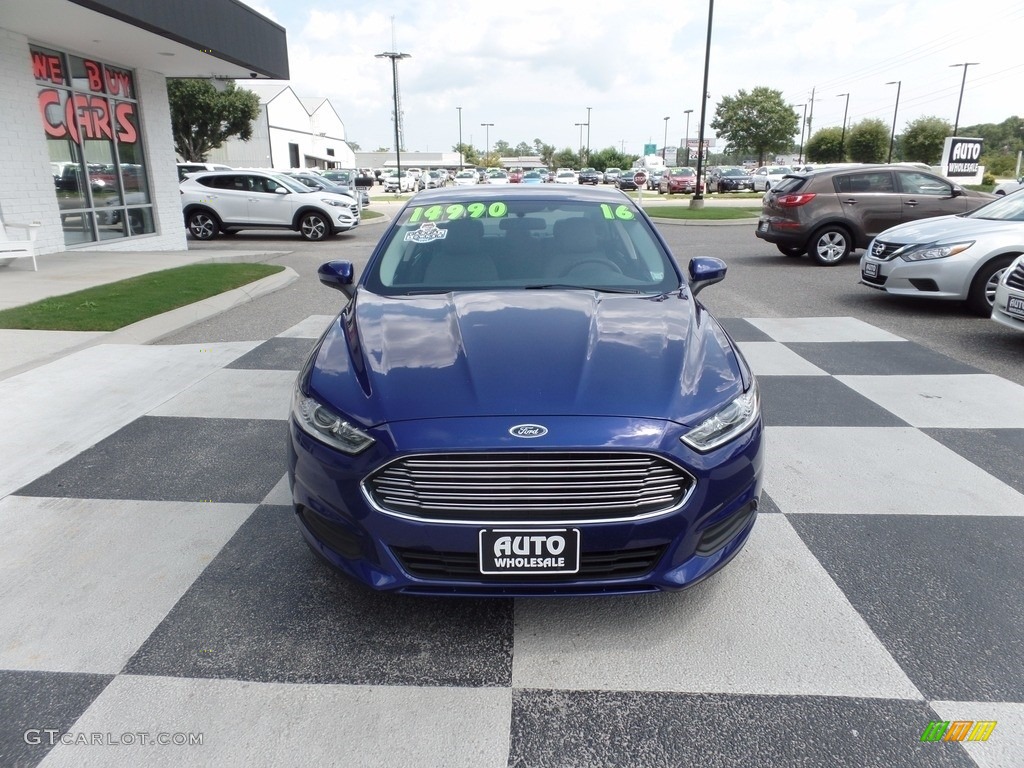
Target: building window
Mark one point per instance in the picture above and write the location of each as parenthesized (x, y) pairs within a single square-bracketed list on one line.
[(293, 155), (90, 113)]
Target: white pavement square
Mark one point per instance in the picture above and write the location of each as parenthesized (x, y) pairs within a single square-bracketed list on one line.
[(793, 329), (233, 393), (878, 470), (772, 358), (310, 328), (772, 622)]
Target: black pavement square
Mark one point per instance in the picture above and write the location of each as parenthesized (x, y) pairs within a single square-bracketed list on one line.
[(767, 503), (878, 358), (266, 609), (33, 702), (278, 354), (175, 459), (741, 330), (654, 730), (1000, 452), (819, 401), (942, 593)]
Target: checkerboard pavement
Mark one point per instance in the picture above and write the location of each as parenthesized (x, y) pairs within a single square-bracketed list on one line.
[(154, 582)]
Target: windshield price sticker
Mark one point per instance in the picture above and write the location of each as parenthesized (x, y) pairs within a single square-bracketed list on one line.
[(622, 212), (455, 211)]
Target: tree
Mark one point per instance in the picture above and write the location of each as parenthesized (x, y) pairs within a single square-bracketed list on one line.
[(545, 151), (523, 149), (354, 146), (826, 146), (566, 158), (611, 158), (868, 141), (203, 118), (470, 154), (502, 148), (759, 122), (923, 138)]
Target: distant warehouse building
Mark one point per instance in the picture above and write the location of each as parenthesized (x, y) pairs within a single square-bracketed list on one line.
[(85, 140)]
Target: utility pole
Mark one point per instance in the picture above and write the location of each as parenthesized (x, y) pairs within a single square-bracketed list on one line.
[(842, 141), (810, 120), (965, 65), (588, 135)]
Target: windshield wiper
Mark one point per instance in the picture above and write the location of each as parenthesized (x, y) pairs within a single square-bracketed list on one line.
[(598, 288)]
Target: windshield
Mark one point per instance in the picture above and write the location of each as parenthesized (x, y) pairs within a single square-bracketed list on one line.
[(780, 170), (733, 172), (1009, 208), (521, 244)]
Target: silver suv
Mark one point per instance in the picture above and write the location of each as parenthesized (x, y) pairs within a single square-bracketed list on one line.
[(829, 213), (230, 201)]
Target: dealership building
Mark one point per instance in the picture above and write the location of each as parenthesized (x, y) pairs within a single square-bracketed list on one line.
[(85, 141)]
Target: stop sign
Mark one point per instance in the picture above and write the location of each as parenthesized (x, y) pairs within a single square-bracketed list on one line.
[(639, 178)]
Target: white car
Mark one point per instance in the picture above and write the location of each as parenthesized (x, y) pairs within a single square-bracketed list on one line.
[(1008, 309), (465, 178), (1008, 186), (566, 177), (497, 177), (230, 201), (408, 182), (768, 176), (961, 257)]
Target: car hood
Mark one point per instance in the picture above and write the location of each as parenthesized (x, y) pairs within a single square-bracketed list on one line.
[(948, 229), (530, 353)]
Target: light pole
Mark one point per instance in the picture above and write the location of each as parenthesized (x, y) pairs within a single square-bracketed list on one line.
[(686, 148), (800, 152), (965, 65), (460, 138), (665, 142), (487, 132), (892, 136), (842, 141), (394, 85), (588, 135), (581, 141), (697, 201)]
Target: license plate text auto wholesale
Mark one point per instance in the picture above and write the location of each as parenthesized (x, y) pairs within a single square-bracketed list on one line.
[(870, 269), (1015, 306), (525, 551), (763, 226)]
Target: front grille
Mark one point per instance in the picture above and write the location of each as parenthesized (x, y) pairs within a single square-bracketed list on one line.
[(1016, 278), (529, 487), (355, 209), (889, 249), (466, 565)]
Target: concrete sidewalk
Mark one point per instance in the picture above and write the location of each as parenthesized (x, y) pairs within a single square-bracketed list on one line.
[(62, 273)]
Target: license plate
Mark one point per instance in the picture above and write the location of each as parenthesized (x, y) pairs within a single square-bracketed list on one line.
[(1015, 306), (522, 551), (762, 226), (870, 269)]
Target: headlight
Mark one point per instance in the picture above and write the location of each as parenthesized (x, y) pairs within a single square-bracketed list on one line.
[(730, 422), (320, 422), (927, 252), (336, 203)]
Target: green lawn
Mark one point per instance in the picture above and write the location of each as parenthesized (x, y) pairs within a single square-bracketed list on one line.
[(706, 213), (368, 214), (113, 306)]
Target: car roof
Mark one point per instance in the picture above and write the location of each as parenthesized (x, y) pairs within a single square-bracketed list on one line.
[(545, 192)]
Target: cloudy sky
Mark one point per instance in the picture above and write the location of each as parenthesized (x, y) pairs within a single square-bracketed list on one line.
[(532, 68)]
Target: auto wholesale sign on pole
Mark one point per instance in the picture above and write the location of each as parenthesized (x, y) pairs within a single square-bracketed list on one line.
[(960, 158)]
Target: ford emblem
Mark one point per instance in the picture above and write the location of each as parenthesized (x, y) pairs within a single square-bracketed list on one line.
[(878, 250), (528, 431)]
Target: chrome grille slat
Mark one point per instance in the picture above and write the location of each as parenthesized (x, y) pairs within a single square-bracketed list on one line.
[(1016, 278), (529, 487)]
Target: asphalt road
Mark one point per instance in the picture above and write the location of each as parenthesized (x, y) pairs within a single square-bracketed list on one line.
[(761, 283)]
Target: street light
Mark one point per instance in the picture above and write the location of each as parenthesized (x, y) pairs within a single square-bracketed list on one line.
[(588, 135), (687, 145), (394, 85), (697, 201), (581, 141), (487, 132), (460, 138), (803, 124), (842, 141), (665, 142), (965, 65), (892, 136)]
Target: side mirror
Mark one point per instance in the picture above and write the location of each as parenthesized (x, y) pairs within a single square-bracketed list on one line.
[(282, 190), (705, 271), (338, 275), (958, 192)]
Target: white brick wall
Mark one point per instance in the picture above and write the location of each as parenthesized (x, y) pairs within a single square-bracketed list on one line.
[(27, 193)]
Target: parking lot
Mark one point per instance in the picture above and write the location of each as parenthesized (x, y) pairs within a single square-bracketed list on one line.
[(157, 584)]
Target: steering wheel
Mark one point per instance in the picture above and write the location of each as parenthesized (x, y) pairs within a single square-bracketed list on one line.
[(610, 265)]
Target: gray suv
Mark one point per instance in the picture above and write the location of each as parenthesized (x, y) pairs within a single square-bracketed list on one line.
[(829, 213)]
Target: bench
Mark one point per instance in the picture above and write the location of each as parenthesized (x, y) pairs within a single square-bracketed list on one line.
[(16, 249)]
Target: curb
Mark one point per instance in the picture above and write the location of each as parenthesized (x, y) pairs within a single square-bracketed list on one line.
[(154, 328)]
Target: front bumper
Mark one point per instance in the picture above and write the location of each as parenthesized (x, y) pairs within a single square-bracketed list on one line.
[(1002, 313), (668, 551), (948, 278)]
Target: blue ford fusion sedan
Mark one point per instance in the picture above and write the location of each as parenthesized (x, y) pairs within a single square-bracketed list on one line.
[(523, 396)]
